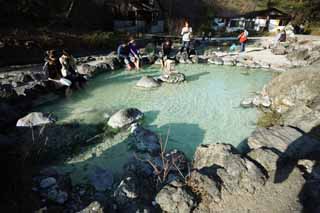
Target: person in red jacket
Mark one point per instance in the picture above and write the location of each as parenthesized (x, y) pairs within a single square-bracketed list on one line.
[(243, 38)]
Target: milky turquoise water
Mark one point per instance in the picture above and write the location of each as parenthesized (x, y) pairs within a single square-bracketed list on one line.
[(205, 109)]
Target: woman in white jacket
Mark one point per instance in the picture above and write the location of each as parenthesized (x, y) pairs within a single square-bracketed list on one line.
[(186, 37)]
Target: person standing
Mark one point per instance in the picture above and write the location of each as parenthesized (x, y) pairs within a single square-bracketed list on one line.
[(186, 37), (243, 38)]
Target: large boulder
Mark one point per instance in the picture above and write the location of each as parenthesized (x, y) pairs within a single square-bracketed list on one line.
[(125, 117), (147, 82), (267, 158), (294, 86), (145, 140), (204, 185), (35, 119), (101, 179), (223, 161), (291, 142), (86, 69), (302, 117), (174, 198)]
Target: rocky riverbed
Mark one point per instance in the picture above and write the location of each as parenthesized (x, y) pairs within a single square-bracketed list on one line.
[(278, 172)]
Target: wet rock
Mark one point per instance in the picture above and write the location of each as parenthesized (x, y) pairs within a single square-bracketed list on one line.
[(126, 191), (146, 140), (57, 195), (147, 82), (261, 101), (223, 161), (229, 61), (172, 78), (86, 69), (94, 207), (35, 119), (125, 117), (47, 182), (175, 199), (246, 102), (195, 59), (7, 91), (101, 179), (215, 60)]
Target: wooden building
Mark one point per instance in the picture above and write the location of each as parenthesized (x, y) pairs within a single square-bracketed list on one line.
[(264, 20)]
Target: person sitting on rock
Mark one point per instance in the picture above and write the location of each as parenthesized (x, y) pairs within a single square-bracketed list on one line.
[(166, 49), (123, 54), (134, 53), (69, 69), (52, 67)]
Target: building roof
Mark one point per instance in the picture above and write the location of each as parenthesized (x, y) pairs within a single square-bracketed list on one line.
[(271, 12)]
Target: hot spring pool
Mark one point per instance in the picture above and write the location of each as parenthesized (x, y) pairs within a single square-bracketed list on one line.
[(205, 109)]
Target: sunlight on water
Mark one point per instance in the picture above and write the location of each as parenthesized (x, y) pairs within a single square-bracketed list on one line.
[(205, 109)]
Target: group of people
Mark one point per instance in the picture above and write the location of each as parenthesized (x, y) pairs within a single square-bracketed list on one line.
[(62, 71), (129, 54)]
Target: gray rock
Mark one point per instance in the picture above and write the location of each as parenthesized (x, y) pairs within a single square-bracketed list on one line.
[(298, 55), (86, 69), (7, 91), (147, 82), (215, 60), (175, 199), (125, 117), (279, 50), (202, 184), (172, 78), (146, 140), (35, 119), (293, 143), (47, 182), (94, 207), (57, 195), (246, 102), (302, 117), (223, 161), (266, 158), (127, 191), (229, 61), (101, 179), (261, 101)]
